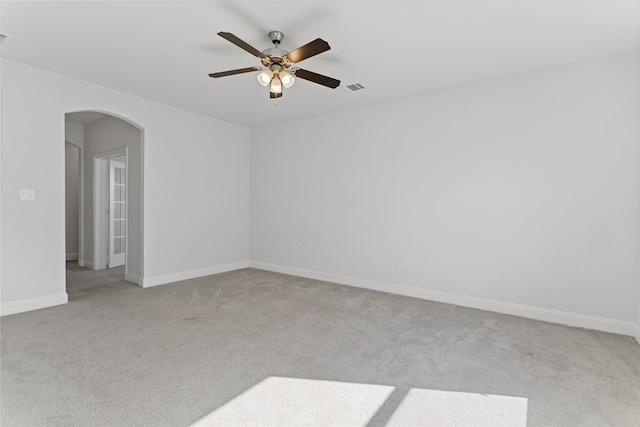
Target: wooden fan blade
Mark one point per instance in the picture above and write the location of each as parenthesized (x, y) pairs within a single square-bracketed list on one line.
[(232, 72), (273, 95), (242, 44), (317, 78), (308, 50)]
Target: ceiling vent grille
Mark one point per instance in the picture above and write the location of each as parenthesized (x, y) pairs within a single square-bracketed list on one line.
[(355, 87)]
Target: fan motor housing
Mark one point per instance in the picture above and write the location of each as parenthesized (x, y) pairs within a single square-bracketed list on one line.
[(274, 51), (275, 54)]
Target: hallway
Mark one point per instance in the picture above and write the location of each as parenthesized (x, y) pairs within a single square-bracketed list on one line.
[(82, 282)]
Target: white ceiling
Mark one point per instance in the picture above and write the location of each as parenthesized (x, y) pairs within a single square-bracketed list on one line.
[(163, 50)]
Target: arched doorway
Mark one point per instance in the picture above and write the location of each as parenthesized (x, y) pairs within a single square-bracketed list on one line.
[(105, 140)]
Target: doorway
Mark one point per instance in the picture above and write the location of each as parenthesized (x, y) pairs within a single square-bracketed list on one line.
[(110, 209), (111, 200)]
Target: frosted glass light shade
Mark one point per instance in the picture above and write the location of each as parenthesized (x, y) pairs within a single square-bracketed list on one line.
[(287, 79), (265, 77), (276, 85)]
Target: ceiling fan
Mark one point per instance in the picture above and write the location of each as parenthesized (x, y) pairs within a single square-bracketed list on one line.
[(279, 68)]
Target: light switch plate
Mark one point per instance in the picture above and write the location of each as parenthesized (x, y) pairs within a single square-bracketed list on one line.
[(27, 194)]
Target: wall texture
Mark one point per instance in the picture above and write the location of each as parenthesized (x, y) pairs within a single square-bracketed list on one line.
[(518, 195), (196, 186)]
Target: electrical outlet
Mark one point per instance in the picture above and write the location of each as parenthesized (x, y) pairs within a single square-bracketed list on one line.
[(392, 267)]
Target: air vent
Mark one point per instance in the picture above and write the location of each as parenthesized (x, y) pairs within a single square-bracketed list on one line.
[(354, 87)]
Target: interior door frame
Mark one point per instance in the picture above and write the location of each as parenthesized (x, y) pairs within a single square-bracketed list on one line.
[(81, 261), (101, 203)]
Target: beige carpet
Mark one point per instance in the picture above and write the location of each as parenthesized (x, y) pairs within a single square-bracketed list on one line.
[(258, 348)]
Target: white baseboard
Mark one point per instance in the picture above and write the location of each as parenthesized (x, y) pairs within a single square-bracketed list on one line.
[(33, 304), (72, 256), (185, 275), (566, 318), (531, 312)]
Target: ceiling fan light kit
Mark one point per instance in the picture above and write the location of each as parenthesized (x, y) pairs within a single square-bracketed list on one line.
[(286, 78), (276, 85), (276, 77), (265, 77), (278, 69)]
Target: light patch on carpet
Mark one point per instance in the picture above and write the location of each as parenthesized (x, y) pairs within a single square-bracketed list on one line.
[(452, 408), (300, 402)]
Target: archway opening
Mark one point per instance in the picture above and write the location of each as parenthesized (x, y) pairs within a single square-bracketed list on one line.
[(110, 191)]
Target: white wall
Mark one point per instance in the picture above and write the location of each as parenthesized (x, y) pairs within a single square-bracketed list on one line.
[(72, 200), (518, 195), (196, 186)]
